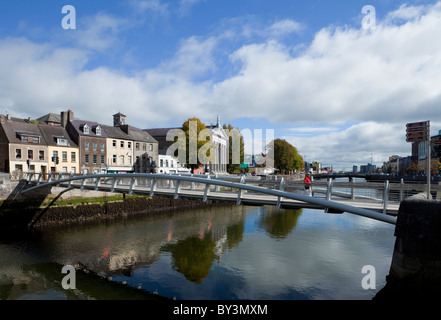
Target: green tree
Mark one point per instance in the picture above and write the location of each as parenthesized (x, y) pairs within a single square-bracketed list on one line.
[(285, 155), (233, 167), (198, 143)]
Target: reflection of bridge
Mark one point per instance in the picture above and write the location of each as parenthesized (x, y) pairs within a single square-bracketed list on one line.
[(215, 188)]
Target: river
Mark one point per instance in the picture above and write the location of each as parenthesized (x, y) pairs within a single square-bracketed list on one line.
[(233, 252)]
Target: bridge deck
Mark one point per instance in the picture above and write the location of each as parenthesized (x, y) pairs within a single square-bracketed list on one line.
[(247, 198)]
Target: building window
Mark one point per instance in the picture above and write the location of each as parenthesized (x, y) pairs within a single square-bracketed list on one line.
[(86, 129), (72, 170), (102, 147), (86, 146), (36, 139), (72, 156), (144, 147), (121, 159), (54, 156), (129, 145), (129, 159), (151, 147), (95, 159), (24, 138), (31, 154), (64, 169), (102, 159), (98, 131), (161, 163), (114, 143), (62, 142), (86, 158), (18, 153), (166, 163), (95, 147), (41, 155), (114, 159), (64, 156), (137, 146), (122, 144)]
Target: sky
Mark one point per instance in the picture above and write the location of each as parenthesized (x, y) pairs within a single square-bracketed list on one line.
[(337, 79)]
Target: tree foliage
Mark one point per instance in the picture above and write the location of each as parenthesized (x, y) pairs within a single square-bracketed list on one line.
[(233, 166), (285, 155), (197, 136)]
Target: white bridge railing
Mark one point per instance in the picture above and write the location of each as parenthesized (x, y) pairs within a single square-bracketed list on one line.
[(131, 183)]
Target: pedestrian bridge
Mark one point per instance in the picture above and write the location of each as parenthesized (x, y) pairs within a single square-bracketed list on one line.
[(238, 190)]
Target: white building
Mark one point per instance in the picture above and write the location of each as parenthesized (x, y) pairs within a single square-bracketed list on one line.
[(170, 164), (220, 138)]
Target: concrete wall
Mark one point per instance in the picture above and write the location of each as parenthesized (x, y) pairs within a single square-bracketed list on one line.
[(415, 272)]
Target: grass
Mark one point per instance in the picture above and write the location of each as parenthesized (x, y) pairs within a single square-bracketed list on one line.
[(82, 201)]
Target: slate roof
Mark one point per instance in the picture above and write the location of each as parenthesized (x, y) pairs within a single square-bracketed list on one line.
[(135, 134), (78, 124), (50, 117), (49, 134), (12, 130)]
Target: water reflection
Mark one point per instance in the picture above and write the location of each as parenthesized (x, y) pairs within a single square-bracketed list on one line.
[(233, 252), (279, 223)]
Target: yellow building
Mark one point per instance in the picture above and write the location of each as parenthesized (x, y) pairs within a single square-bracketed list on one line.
[(63, 153)]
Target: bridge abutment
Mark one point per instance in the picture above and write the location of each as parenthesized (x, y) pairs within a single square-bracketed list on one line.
[(415, 272)]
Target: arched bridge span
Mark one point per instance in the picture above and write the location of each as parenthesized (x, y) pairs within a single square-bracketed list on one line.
[(172, 185)]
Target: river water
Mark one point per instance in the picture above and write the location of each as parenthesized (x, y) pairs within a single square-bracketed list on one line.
[(233, 252)]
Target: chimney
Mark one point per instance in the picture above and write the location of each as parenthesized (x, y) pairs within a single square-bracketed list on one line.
[(63, 119), (70, 115), (66, 116), (125, 128)]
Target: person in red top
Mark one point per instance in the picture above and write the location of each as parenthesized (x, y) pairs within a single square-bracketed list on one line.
[(307, 182)]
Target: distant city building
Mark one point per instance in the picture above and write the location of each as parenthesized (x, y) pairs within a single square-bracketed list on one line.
[(369, 168), (354, 169)]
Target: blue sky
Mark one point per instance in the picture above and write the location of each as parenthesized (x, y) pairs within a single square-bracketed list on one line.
[(308, 70)]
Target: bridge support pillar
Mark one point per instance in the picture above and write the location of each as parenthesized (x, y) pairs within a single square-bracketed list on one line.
[(415, 272)]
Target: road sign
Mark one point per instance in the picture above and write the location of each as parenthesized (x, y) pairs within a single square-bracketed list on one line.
[(418, 124), (418, 131)]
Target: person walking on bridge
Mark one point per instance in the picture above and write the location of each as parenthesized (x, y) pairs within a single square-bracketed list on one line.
[(307, 181)]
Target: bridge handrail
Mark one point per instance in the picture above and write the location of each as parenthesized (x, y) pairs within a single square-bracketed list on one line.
[(207, 180)]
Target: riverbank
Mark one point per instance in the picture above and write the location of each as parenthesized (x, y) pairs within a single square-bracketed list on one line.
[(27, 216)]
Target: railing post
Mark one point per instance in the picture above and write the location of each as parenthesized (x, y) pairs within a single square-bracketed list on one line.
[(281, 187), (385, 196), (178, 189), (132, 184), (207, 190), (39, 178), (401, 189), (192, 183), (239, 193), (329, 189), (352, 190), (152, 187), (97, 183), (59, 178), (83, 182), (30, 177)]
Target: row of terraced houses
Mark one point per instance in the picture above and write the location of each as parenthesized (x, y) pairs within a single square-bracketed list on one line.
[(57, 143)]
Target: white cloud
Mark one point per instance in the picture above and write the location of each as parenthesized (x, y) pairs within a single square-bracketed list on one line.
[(286, 26)]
